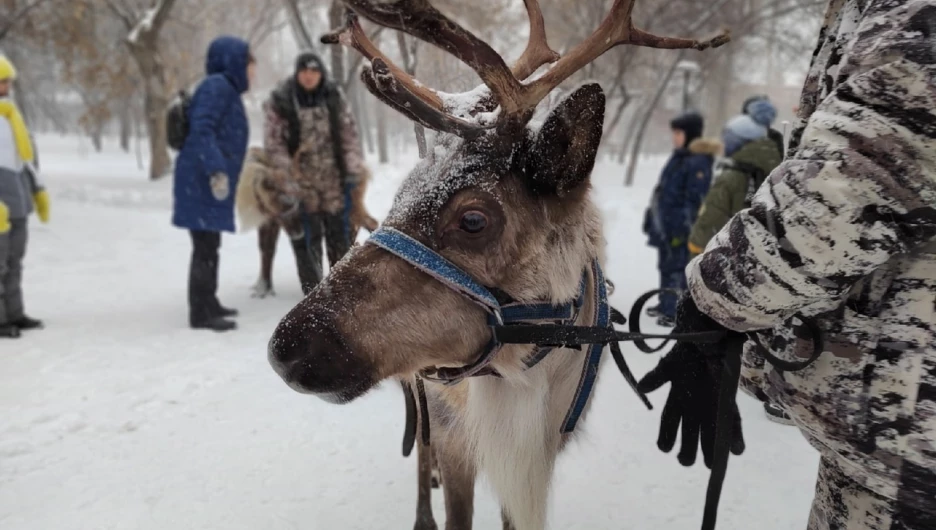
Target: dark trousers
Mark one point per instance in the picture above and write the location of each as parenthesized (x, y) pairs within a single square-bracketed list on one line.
[(672, 265), (317, 227), (203, 277), (12, 252)]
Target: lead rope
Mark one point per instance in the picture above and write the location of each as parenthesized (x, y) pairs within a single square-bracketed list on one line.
[(731, 374), (417, 408), (727, 393)]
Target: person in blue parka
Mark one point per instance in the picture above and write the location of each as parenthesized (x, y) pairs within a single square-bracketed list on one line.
[(207, 170), (675, 205)]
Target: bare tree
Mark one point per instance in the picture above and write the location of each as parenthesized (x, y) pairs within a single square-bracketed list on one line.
[(408, 50), (263, 17), (297, 24), (751, 22), (383, 149), (143, 42), (16, 14)]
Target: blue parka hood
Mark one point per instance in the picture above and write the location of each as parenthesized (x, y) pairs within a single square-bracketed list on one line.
[(229, 56)]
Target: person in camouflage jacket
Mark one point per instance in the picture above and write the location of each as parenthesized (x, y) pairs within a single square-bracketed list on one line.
[(311, 136), (844, 233)]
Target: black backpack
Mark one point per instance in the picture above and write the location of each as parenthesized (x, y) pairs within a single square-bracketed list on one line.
[(177, 125)]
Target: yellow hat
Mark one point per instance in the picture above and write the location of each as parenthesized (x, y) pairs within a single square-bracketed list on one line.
[(7, 71)]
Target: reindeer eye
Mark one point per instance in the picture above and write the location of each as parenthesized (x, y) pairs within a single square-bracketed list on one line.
[(473, 222)]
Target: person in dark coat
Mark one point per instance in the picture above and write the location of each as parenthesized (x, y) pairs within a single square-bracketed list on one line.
[(206, 172), (675, 205)]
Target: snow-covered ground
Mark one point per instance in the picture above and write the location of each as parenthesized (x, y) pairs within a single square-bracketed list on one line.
[(117, 416)]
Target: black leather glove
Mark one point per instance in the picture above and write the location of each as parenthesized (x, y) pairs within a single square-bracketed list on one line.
[(696, 373)]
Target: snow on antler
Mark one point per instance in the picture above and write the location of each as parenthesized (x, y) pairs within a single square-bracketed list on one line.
[(507, 99)]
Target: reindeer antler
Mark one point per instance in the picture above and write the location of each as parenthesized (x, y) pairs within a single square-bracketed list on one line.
[(537, 52), (398, 89), (516, 100)]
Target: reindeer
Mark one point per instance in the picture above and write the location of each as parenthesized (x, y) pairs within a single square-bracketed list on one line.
[(497, 216)]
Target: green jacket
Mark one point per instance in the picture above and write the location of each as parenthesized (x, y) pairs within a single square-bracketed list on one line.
[(729, 192)]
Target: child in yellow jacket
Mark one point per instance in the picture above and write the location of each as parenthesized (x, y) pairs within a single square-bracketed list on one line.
[(20, 193)]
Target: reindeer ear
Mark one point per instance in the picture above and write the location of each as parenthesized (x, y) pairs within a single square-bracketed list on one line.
[(563, 151)]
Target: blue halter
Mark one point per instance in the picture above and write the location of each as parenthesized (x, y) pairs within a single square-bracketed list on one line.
[(430, 262)]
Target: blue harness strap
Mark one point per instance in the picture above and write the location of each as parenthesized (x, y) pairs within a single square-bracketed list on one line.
[(428, 261), (593, 360), (439, 268)]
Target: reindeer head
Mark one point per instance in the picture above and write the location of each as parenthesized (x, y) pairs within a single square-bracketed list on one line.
[(505, 203)]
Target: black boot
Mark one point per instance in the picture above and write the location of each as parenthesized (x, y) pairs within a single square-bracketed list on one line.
[(215, 324), (205, 312), (9, 331), (227, 312), (24, 323)]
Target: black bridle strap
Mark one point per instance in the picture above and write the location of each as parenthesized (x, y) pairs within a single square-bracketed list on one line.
[(634, 324), (628, 375), (724, 423), (409, 431), (424, 410), (415, 412)]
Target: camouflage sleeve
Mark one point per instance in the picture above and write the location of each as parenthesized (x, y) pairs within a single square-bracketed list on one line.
[(351, 144), (274, 138), (860, 188)]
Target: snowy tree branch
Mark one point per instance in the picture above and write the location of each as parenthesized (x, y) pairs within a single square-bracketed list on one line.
[(18, 15), (298, 25), (162, 10)]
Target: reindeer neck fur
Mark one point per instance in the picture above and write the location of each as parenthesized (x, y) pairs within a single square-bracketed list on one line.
[(513, 423)]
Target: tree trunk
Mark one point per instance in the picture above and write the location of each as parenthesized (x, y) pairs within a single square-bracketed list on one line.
[(364, 121), (723, 110), (382, 148), (138, 133), (126, 124), (619, 112), (336, 19), (409, 65), (144, 48), (96, 134), (155, 107), (635, 148), (155, 103), (713, 8), (625, 145), (300, 30)]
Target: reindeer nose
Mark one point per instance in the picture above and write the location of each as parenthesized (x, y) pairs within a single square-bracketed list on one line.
[(314, 359)]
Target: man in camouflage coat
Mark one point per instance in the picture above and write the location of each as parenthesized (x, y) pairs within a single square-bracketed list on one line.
[(310, 135), (843, 232)]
